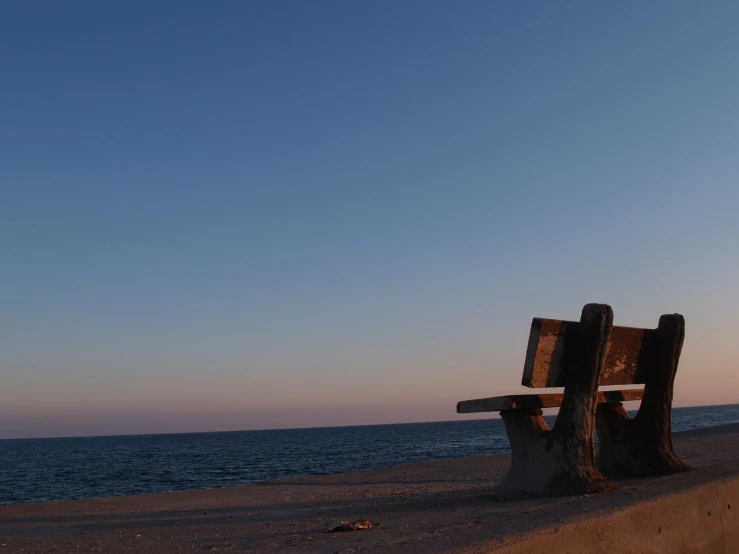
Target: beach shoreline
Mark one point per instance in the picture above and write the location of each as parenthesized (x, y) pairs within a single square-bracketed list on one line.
[(439, 506)]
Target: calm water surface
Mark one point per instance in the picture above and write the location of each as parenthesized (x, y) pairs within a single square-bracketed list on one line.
[(34, 470)]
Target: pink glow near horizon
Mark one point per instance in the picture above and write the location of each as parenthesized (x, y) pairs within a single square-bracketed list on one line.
[(425, 391)]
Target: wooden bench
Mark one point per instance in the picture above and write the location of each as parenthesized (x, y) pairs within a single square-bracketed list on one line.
[(579, 356)]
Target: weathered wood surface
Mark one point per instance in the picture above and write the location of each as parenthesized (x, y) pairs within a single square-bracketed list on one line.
[(553, 343), (525, 401)]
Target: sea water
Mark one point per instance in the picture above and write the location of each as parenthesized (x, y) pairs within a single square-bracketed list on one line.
[(35, 470)]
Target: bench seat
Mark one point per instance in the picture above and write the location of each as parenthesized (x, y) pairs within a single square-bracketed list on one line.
[(554, 400)]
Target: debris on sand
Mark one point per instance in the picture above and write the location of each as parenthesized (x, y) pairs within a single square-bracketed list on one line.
[(358, 525)]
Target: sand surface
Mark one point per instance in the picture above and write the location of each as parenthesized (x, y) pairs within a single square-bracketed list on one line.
[(444, 506)]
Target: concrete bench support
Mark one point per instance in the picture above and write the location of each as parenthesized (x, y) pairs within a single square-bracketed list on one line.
[(561, 461), (643, 446)]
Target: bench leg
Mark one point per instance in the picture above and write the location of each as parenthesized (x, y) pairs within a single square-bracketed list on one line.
[(643, 446), (561, 461), (525, 430)]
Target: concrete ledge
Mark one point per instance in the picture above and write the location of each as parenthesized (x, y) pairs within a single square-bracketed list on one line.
[(700, 520)]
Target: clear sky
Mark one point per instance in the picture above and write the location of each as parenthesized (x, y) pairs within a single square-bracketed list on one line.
[(233, 215)]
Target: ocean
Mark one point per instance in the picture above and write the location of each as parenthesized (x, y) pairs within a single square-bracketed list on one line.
[(38, 470)]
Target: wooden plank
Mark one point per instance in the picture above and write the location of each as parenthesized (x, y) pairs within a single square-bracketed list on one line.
[(551, 347), (521, 401)]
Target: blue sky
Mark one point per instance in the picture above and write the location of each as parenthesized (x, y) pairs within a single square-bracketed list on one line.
[(232, 215)]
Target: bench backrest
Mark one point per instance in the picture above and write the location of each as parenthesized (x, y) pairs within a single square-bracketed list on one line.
[(552, 344)]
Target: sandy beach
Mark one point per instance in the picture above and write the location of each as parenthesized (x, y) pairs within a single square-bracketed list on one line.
[(444, 506)]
